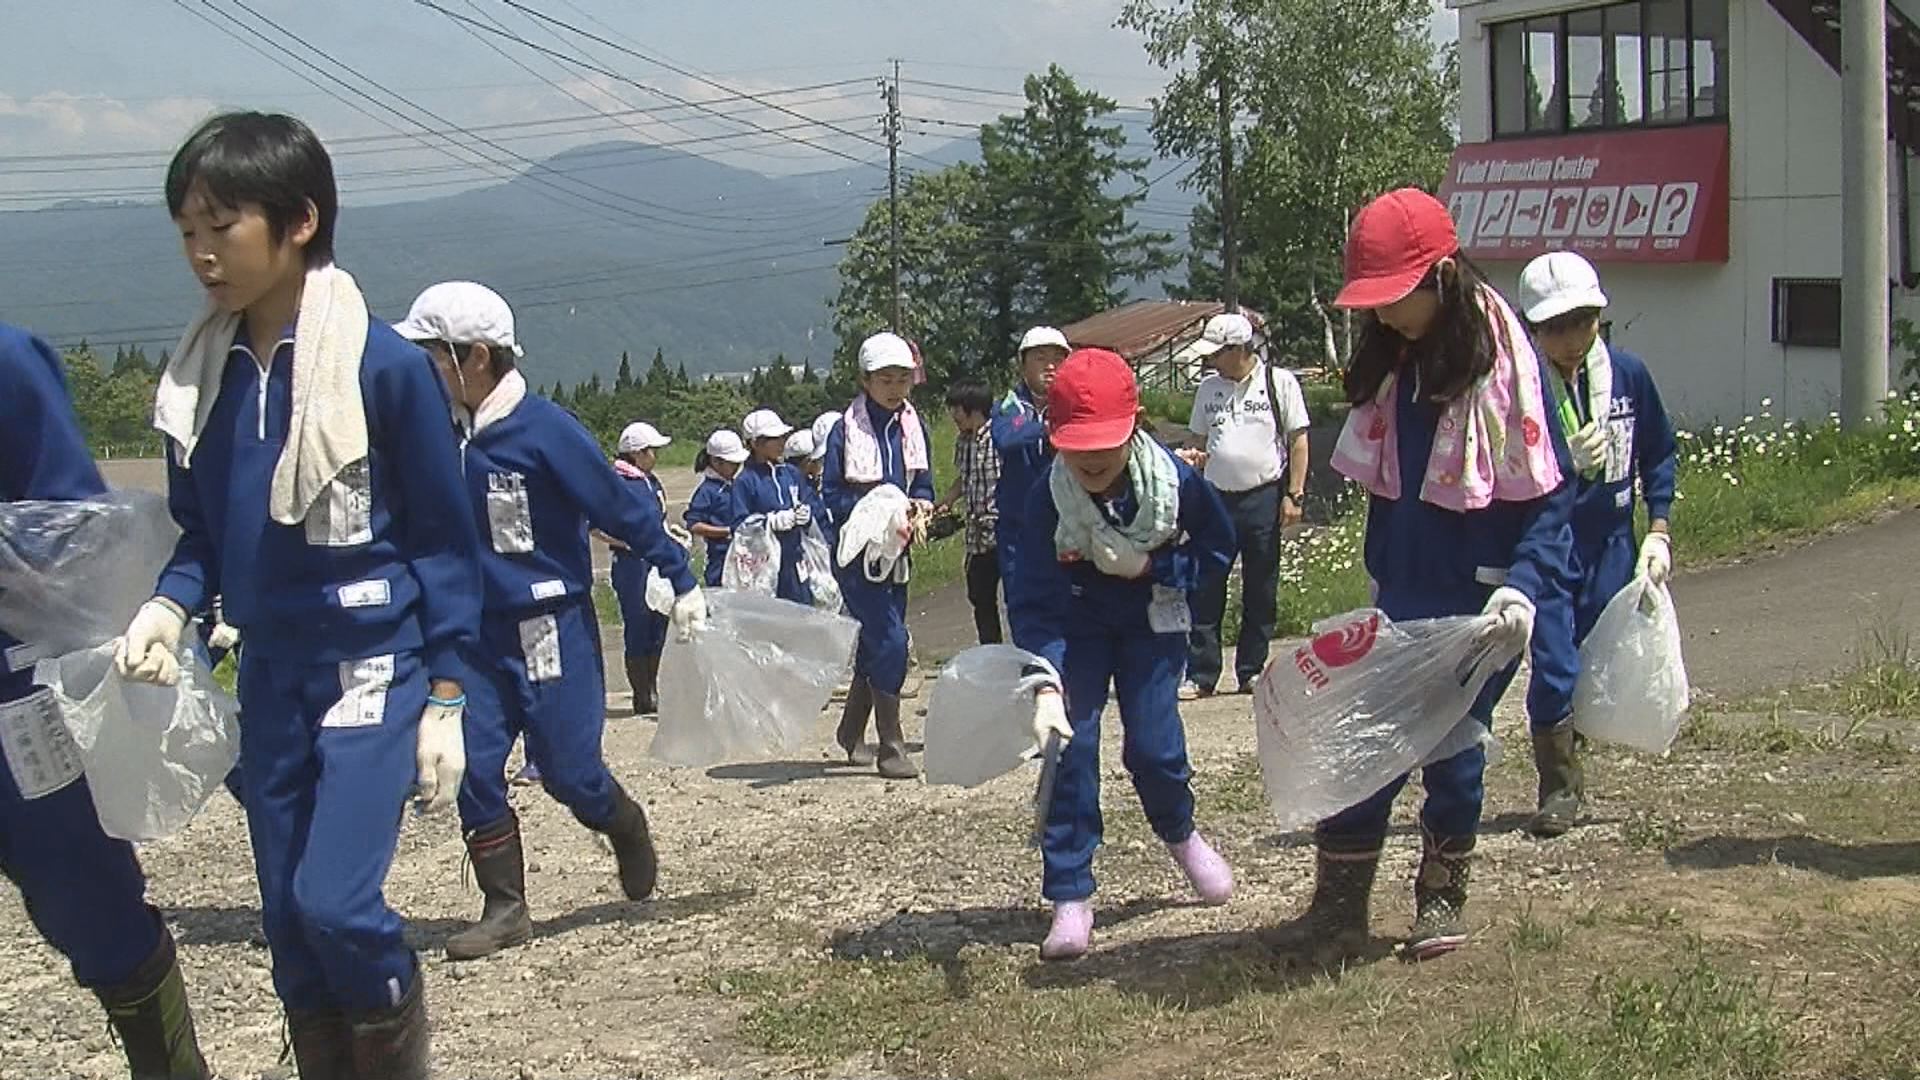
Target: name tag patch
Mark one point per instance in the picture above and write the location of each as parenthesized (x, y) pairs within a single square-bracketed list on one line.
[(547, 590), (366, 594)]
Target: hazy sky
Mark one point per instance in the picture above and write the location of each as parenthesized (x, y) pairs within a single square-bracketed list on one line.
[(122, 77)]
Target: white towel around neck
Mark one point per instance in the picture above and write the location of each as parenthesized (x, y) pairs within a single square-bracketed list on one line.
[(328, 429)]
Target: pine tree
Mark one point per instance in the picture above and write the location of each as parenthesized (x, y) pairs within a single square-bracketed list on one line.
[(659, 376), (623, 381)]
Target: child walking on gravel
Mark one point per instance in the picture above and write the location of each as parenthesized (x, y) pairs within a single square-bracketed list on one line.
[(1118, 531), (709, 513)]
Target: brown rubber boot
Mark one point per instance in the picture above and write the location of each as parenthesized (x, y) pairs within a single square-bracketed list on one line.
[(393, 1044), (852, 734), (892, 759), (1334, 926), (499, 868), (1440, 897), (632, 846), (322, 1044), (1556, 754), (150, 1015)]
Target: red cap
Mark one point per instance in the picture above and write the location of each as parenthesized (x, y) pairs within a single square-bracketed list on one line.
[(1396, 239), (1094, 402)]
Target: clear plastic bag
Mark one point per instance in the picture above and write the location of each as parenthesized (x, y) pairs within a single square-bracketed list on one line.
[(73, 573), (878, 530), (816, 569), (659, 592), (753, 684), (154, 754), (1365, 701), (1633, 683), (753, 559), (980, 717)]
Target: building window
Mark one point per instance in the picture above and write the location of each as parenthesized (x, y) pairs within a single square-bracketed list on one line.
[(1806, 311), (1617, 65)]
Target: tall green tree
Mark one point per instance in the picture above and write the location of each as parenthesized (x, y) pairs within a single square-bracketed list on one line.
[(659, 376), (1331, 102), (623, 380)]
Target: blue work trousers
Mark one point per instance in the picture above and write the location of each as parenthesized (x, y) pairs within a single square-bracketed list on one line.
[(327, 759), (881, 610), (645, 629), (1143, 671), (539, 676)]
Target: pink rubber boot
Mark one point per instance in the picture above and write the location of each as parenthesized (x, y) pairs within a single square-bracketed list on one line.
[(1072, 931), (1212, 878)]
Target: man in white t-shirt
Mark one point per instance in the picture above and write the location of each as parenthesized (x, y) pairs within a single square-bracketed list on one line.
[(1250, 436)]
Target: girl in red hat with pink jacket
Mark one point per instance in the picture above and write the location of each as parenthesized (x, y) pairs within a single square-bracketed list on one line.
[(1113, 540), (1468, 513)]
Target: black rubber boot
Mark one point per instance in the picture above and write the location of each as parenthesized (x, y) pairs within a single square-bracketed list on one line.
[(149, 1012), (645, 701), (852, 734), (1556, 754), (1334, 926), (1440, 897), (393, 1044), (500, 869), (322, 1044), (892, 759), (632, 846), (653, 685)]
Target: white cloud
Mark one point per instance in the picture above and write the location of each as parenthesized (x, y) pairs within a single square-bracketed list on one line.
[(57, 123)]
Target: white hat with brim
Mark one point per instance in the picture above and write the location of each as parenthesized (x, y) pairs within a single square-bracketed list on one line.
[(726, 446), (765, 424), (886, 350), (1557, 283), (799, 446), (1223, 331), (461, 313), (640, 436), (1042, 336)]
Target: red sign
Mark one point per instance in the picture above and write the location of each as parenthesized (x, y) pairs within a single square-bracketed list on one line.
[(1653, 195)]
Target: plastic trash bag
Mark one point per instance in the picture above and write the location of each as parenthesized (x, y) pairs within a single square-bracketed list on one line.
[(753, 559), (878, 530), (753, 684), (980, 717), (1365, 701), (816, 569), (153, 754), (73, 573), (1633, 683), (660, 595)]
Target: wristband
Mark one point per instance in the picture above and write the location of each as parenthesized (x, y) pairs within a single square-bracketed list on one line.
[(447, 703)]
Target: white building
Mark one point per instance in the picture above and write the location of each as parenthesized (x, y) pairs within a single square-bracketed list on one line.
[(1697, 161)]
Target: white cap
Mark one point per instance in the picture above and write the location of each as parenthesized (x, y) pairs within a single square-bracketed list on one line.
[(800, 445), (1043, 335), (640, 436), (463, 313), (726, 446), (823, 427), (885, 350), (1224, 330), (765, 424), (1556, 283)]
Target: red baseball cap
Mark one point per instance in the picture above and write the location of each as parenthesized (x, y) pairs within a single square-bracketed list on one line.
[(1094, 402), (1396, 239)]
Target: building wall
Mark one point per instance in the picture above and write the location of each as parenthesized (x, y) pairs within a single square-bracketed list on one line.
[(1707, 328)]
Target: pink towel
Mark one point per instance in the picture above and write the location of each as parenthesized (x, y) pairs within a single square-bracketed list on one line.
[(863, 464), (1493, 443), (628, 470)]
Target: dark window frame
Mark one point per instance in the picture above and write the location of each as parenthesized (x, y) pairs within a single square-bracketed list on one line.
[(1609, 73), (1786, 331)]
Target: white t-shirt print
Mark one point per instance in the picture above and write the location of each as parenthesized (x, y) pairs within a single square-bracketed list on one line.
[(1244, 449)]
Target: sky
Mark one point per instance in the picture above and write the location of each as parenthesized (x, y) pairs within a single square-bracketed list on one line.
[(95, 93)]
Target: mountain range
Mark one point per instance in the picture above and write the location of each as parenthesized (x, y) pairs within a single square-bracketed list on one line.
[(720, 267)]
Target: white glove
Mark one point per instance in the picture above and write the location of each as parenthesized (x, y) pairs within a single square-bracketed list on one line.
[(1589, 446), (224, 637), (690, 613), (1514, 613), (441, 754), (802, 516), (783, 520), (1110, 560), (681, 536), (150, 649), (1050, 718), (1656, 558)]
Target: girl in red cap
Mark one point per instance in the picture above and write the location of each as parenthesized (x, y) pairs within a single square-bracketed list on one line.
[(1112, 543), (1468, 513)]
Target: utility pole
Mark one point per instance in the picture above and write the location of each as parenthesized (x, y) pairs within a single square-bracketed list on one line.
[(1864, 300), (893, 189), (1229, 218)]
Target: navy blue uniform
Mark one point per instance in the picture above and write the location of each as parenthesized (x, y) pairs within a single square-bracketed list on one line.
[(347, 617), (712, 504), (644, 629), (765, 489), (1101, 631), (537, 480), (83, 891), (880, 607), (1430, 562), (1020, 438)]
